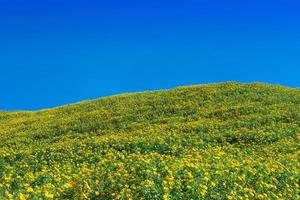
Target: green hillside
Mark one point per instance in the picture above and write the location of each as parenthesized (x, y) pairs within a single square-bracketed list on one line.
[(215, 141)]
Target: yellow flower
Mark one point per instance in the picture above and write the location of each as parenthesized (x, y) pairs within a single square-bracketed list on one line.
[(22, 196), (229, 197), (87, 185), (68, 185), (206, 178), (203, 189), (251, 191), (148, 183), (49, 195), (260, 196), (166, 196), (8, 195), (29, 189)]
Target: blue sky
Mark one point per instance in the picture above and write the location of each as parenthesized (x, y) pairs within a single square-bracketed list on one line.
[(55, 52)]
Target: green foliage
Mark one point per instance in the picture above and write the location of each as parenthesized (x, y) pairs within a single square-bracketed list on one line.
[(215, 141)]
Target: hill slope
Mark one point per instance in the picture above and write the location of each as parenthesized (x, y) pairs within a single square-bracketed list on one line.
[(213, 141)]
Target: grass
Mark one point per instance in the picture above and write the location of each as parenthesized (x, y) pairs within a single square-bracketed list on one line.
[(214, 141)]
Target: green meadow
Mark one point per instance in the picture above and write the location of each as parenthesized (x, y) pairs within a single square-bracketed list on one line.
[(214, 141)]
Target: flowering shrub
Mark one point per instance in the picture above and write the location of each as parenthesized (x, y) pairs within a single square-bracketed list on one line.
[(216, 141)]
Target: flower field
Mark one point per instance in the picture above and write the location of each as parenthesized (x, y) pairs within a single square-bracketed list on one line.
[(215, 141)]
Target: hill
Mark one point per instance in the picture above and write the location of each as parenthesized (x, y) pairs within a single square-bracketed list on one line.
[(214, 141)]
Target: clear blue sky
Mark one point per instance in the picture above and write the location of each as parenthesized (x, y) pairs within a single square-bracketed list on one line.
[(55, 52)]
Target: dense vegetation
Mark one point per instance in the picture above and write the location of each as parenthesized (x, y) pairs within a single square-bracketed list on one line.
[(216, 141)]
